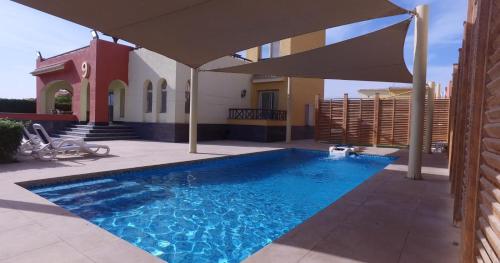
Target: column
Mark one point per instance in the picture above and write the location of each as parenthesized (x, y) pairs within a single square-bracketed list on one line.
[(193, 112), (289, 111), (418, 93)]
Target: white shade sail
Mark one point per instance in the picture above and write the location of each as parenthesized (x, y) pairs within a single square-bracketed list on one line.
[(195, 32), (377, 56)]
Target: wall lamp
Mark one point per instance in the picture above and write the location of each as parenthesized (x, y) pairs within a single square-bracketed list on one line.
[(95, 35)]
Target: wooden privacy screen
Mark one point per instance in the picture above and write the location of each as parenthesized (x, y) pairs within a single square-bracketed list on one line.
[(475, 134), (374, 121)]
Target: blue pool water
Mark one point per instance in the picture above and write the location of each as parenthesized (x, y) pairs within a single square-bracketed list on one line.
[(218, 210)]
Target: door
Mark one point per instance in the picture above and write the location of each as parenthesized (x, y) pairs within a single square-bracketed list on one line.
[(268, 100), (111, 99)]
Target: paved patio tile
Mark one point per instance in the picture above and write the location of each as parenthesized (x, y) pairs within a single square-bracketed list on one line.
[(13, 219), (318, 227), (360, 242), (278, 253), (23, 239), (386, 219), (66, 227), (435, 249), (432, 226), (58, 252), (114, 252), (91, 239)]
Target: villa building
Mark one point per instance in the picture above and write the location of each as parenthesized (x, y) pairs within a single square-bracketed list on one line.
[(398, 92), (386, 93), (115, 83)]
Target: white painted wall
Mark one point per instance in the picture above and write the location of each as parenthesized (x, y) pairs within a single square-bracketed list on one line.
[(147, 65), (217, 91)]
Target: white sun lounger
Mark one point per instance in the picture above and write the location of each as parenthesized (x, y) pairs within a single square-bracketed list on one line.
[(51, 147), (29, 142)]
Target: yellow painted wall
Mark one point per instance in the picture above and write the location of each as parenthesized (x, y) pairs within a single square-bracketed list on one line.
[(280, 86), (253, 54), (308, 41), (286, 47), (401, 92), (303, 90)]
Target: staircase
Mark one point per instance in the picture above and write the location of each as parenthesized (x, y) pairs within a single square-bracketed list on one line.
[(98, 133)]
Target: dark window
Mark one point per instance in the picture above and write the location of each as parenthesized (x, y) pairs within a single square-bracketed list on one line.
[(188, 98), (163, 104), (149, 97)]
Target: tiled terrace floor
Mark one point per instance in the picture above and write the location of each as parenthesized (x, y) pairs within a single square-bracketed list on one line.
[(386, 219)]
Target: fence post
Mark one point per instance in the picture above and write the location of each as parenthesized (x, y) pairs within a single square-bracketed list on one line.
[(330, 119), (393, 119), (409, 122), (429, 118), (376, 109), (345, 112), (316, 117)]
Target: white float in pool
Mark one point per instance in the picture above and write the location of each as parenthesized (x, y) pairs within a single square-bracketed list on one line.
[(339, 152)]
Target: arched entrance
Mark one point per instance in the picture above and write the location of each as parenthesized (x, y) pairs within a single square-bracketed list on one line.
[(116, 100), (57, 98)]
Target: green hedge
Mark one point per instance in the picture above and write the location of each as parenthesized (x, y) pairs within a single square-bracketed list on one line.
[(29, 105), (18, 105), (10, 139)]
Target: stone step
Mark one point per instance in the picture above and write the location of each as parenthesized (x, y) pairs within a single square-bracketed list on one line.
[(99, 134), (89, 130), (127, 137), (100, 127), (96, 133)]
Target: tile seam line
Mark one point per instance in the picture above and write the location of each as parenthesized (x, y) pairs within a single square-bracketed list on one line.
[(405, 243), (31, 250), (358, 206)]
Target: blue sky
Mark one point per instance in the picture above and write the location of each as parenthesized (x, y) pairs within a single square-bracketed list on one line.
[(24, 31)]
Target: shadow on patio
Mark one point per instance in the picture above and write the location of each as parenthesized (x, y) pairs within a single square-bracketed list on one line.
[(387, 219)]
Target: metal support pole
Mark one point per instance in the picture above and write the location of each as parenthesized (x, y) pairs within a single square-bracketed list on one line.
[(289, 111), (193, 112), (429, 116), (418, 93)]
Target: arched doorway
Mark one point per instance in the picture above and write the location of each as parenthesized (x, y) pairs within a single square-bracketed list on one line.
[(116, 100), (57, 98)]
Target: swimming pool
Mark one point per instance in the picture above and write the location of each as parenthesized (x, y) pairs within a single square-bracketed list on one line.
[(219, 210)]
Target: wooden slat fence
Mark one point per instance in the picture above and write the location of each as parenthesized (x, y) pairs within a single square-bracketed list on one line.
[(475, 134), (374, 121)]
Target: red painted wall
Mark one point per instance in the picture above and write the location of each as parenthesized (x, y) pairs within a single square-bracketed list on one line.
[(108, 61), (111, 64), (72, 74)]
